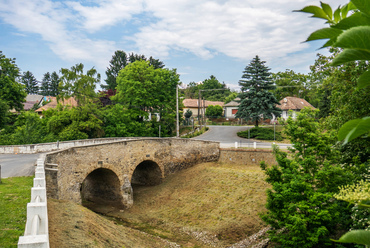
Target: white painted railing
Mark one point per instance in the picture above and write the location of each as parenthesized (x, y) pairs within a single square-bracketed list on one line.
[(37, 232)]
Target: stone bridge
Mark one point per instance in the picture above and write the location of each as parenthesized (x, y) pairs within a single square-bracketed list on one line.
[(106, 172)]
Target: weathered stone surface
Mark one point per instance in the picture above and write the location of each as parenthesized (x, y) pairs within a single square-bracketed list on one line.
[(246, 157), (158, 158)]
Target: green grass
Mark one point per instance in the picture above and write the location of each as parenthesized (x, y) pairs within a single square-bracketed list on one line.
[(15, 193)]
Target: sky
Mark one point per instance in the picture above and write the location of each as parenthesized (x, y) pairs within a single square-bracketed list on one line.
[(199, 38)]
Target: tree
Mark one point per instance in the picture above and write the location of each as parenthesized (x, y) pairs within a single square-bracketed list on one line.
[(301, 208), (188, 114), (54, 86), (146, 90), (30, 83), (74, 83), (257, 101), (290, 83), (46, 85), (119, 61), (12, 93), (214, 111), (351, 34)]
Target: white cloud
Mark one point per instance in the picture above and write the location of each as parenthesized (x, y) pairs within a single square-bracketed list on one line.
[(51, 21), (237, 28), (240, 29), (106, 13)]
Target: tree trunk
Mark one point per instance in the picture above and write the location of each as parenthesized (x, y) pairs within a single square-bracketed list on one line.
[(256, 123)]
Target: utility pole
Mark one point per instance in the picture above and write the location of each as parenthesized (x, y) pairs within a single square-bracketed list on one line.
[(177, 112)]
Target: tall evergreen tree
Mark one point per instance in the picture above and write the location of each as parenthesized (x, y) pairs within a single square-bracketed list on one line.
[(118, 62), (54, 86), (45, 85), (30, 82), (256, 101)]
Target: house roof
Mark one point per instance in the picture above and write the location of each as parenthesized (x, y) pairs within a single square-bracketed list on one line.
[(53, 103), (34, 98), (193, 103), (233, 103), (293, 103)]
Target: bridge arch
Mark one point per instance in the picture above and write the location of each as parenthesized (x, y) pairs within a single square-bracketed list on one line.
[(101, 186), (147, 173)]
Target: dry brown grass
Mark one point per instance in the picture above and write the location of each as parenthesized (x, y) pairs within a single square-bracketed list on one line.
[(221, 199), (208, 205)]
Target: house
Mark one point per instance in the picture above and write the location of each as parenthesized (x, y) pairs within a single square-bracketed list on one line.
[(288, 103), (231, 108), (193, 104), (53, 103), (292, 103), (31, 100)]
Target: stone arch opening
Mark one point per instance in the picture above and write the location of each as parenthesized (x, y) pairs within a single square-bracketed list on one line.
[(101, 188), (147, 173)]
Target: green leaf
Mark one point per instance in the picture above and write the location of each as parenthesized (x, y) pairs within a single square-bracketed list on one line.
[(357, 19), (316, 11), (361, 237), (364, 80), (327, 9), (337, 15), (353, 129), (356, 38), (324, 33), (350, 55), (344, 11), (363, 6)]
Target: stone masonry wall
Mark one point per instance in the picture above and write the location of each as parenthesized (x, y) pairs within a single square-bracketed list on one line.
[(73, 165), (246, 157)]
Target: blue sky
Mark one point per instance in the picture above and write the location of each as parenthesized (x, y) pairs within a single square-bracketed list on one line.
[(197, 37)]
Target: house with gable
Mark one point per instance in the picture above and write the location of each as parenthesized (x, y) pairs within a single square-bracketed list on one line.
[(294, 104)]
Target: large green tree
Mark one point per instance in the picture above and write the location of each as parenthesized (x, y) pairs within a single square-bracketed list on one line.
[(30, 83), (74, 83), (147, 91), (211, 89), (301, 209), (290, 83), (12, 93), (257, 102)]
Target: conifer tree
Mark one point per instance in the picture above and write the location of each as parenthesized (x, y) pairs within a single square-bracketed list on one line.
[(30, 82), (256, 100), (45, 85), (54, 87)]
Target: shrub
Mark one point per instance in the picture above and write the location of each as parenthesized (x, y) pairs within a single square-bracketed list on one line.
[(261, 134)]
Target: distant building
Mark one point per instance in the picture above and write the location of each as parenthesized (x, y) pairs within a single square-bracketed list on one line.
[(193, 104), (292, 103), (231, 108), (53, 103), (288, 103)]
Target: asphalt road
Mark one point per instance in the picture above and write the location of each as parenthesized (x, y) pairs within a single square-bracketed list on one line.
[(15, 165), (227, 136)]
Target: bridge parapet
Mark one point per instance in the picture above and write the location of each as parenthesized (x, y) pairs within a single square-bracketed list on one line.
[(36, 233)]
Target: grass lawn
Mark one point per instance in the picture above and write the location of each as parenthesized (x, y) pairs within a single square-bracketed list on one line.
[(15, 193)]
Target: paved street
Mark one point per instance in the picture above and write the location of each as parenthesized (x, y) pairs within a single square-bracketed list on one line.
[(227, 136), (13, 165)]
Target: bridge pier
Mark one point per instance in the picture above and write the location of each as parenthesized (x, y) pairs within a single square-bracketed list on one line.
[(127, 193)]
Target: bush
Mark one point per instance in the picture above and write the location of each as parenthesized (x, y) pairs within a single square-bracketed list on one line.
[(261, 134)]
